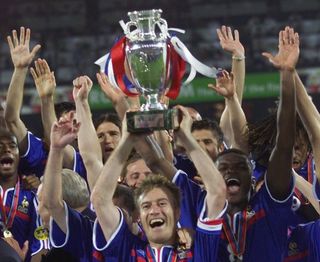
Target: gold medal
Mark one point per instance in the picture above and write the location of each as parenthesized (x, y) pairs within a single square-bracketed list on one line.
[(7, 233), (41, 233)]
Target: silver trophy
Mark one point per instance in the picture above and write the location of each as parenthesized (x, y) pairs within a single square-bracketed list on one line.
[(147, 58)]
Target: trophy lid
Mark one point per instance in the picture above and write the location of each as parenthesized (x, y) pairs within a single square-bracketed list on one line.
[(144, 14)]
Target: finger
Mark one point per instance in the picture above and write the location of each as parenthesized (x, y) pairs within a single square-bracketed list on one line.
[(10, 43), (296, 39), (182, 237), (34, 74), (35, 50), (236, 35), (22, 36), (27, 40), (15, 38), (229, 32), (224, 32), (37, 65), (46, 67), (41, 66), (281, 38), (25, 247), (220, 35), (267, 55)]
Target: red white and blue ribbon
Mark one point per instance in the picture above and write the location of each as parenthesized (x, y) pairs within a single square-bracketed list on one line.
[(178, 55)]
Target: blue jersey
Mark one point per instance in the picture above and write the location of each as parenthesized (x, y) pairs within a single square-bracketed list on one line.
[(304, 243), (266, 234), (183, 163), (78, 238), (78, 165), (35, 158), (124, 246), (26, 219), (192, 198)]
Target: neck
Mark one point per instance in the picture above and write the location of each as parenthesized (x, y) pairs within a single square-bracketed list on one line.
[(8, 182), (232, 209)]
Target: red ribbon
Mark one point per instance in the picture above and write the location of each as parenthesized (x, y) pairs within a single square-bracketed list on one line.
[(8, 220)]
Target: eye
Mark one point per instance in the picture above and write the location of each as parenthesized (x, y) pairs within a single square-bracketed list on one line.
[(145, 207), (207, 141), (163, 203)]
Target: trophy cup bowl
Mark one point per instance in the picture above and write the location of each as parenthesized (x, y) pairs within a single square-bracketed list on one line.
[(149, 67)]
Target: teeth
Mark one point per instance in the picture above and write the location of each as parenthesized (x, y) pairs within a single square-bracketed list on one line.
[(233, 180), (156, 222)]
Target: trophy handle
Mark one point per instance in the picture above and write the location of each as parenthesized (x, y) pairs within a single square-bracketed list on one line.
[(163, 26), (127, 31)]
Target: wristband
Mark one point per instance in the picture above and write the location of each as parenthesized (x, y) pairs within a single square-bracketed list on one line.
[(238, 58)]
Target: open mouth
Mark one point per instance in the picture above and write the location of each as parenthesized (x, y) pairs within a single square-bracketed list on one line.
[(6, 162), (157, 222), (233, 185)]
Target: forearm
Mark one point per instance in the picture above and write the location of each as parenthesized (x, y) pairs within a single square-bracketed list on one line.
[(88, 142), (211, 177), (239, 72), (280, 164), (52, 184), (14, 103), (102, 193), (48, 115), (152, 154), (238, 123)]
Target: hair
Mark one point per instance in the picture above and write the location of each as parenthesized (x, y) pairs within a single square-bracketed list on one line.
[(112, 118), (125, 195), (6, 133), (134, 157), (74, 189), (235, 151), (159, 181), (211, 125), (63, 107), (262, 136)]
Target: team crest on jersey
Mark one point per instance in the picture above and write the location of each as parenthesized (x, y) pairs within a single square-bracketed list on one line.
[(250, 212), (293, 249), (24, 206)]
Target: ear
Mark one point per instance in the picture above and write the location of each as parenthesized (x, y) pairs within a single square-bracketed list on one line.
[(221, 148)]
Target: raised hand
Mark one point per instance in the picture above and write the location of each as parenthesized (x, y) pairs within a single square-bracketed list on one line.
[(19, 48), (43, 78), (113, 93), (185, 124), (64, 131), (288, 53), (81, 88), (225, 85), (230, 42)]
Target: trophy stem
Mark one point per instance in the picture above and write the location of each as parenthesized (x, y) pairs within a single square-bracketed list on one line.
[(153, 103)]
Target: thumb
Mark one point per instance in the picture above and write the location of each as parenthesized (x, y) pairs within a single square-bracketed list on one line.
[(25, 247), (35, 50), (267, 55)]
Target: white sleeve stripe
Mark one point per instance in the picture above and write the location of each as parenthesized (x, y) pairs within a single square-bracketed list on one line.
[(28, 148), (115, 233), (67, 234), (289, 196)]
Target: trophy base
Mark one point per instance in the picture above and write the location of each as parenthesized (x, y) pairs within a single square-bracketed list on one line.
[(146, 121)]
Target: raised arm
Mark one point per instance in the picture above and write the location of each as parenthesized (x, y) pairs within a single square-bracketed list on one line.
[(238, 124), (102, 193), (311, 120), (62, 134), (279, 170), (89, 145), (211, 177), (230, 42), (46, 84), (21, 59)]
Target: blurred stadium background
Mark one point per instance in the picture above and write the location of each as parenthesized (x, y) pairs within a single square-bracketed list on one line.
[(74, 33)]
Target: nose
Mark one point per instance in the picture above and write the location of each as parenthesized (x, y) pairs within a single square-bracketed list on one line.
[(155, 209)]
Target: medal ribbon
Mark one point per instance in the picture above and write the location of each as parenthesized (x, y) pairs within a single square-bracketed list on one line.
[(8, 220), (238, 242), (173, 256)]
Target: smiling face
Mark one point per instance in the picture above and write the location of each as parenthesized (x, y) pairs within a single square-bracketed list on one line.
[(158, 217), (109, 136), (236, 171), (9, 156)]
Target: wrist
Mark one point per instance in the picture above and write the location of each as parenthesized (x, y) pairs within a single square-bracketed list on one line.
[(21, 69), (238, 57)]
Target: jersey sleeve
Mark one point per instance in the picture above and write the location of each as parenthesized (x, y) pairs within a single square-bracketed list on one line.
[(78, 238), (192, 197), (33, 161)]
